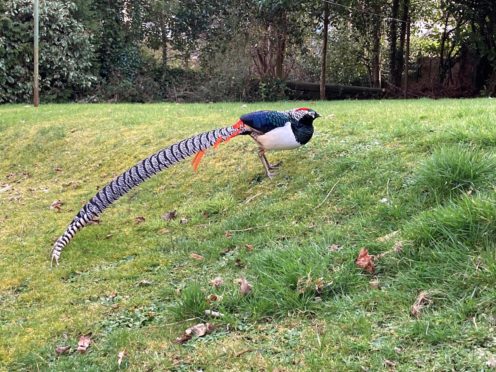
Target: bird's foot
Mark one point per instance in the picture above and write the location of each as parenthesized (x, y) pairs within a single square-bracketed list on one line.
[(275, 165), (271, 175)]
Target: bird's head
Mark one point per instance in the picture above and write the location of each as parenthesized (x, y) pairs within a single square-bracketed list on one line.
[(305, 115)]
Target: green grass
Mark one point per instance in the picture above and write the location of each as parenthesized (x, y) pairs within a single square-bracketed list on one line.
[(423, 168)]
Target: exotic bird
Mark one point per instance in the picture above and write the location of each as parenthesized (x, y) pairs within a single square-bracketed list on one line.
[(271, 130)]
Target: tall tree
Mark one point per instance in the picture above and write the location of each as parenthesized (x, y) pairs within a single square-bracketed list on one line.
[(323, 60)]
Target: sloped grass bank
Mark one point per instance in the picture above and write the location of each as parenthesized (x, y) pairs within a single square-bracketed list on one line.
[(417, 176)]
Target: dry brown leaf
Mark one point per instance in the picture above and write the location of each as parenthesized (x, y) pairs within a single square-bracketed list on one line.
[(139, 219), (365, 261), (56, 205), (120, 356), (491, 363), (217, 282), (57, 169), (421, 302), (249, 247), (213, 298), (389, 363), (387, 237), (398, 247), (5, 187), (144, 283), (239, 263), (84, 343), (183, 338), (228, 234), (374, 283), (62, 350), (319, 285), (170, 215), (198, 330), (196, 256), (335, 247), (244, 286)]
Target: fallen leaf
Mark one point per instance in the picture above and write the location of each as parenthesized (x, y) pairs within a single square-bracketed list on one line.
[(196, 256), (108, 236), (374, 283), (389, 363), (228, 234), (183, 338), (62, 350), (319, 285), (491, 363), (5, 187), (249, 247), (244, 286), (56, 205), (120, 356), (212, 298), (183, 221), (163, 231), (57, 169), (225, 251), (365, 261), (84, 343), (387, 237), (198, 330), (398, 247), (217, 282), (421, 302), (335, 247), (239, 263), (170, 215), (214, 314), (139, 219), (144, 283)]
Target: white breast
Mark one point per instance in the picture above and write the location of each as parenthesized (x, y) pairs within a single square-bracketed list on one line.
[(281, 138)]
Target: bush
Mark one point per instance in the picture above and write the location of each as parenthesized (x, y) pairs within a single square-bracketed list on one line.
[(65, 52)]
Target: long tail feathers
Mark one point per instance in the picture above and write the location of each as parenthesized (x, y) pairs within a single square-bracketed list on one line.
[(141, 172)]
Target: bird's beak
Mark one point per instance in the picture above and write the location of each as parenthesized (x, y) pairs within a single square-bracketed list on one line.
[(317, 115)]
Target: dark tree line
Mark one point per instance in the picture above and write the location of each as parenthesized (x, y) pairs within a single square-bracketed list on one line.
[(147, 50)]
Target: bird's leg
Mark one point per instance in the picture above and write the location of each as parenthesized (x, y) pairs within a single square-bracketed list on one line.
[(272, 166), (263, 159)]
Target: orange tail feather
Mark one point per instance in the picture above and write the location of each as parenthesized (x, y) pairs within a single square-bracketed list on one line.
[(198, 157), (200, 154)]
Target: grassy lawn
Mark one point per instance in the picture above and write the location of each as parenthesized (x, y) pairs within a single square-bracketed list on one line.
[(422, 169)]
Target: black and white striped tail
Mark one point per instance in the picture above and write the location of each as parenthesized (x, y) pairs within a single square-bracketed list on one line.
[(139, 173)]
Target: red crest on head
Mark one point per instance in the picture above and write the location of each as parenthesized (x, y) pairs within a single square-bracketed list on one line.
[(303, 108)]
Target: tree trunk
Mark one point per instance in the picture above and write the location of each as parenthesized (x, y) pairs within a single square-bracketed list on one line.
[(281, 35), (323, 60), (407, 57), (401, 49), (376, 56), (392, 41), (163, 34)]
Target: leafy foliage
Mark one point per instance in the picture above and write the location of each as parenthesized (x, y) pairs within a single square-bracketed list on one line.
[(65, 52)]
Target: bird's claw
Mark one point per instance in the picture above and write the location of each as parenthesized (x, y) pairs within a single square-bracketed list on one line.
[(271, 175), (275, 165)]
